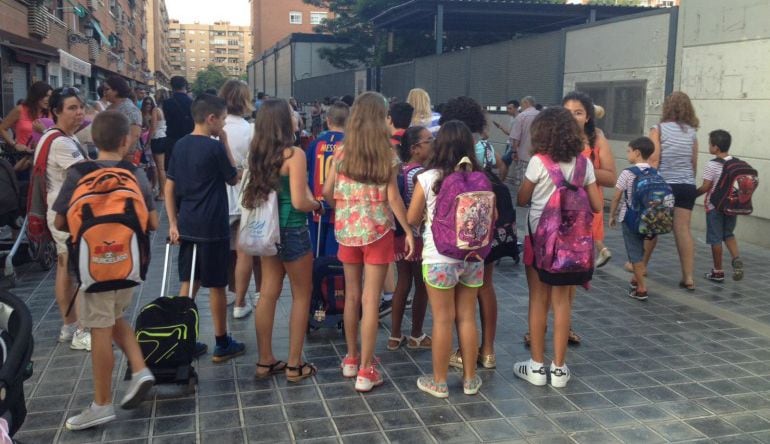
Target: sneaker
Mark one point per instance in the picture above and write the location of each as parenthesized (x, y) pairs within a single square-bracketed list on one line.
[(229, 297), (603, 257), (141, 383), (91, 416), (737, 269), (716, 275), (428, 385), (559, 376), (200, 349), (638, 295), (456, 359), (241, 312), (256, 298), (231, 350), (472, 386), (525, 371), (367, 379), (81, 340), (385, 307), (349, 366), (67, 331)]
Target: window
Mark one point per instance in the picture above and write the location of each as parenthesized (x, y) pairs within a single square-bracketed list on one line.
[(295, 18), (624, 106), (317, 17)]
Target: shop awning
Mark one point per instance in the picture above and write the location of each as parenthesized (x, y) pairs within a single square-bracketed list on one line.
[(74, 64), (26, 45), (99, 31)]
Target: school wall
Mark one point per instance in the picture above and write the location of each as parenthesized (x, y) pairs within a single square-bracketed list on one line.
[(630, 49), (723, 65)]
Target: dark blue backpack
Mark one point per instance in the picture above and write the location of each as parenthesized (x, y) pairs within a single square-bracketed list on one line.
[(651, 209)]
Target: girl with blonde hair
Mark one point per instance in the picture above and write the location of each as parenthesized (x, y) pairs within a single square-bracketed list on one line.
[(423, 112)]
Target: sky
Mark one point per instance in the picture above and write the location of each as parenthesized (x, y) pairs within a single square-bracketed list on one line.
[(237, 12)]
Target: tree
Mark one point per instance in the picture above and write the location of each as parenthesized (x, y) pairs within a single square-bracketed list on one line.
[(211, 77)]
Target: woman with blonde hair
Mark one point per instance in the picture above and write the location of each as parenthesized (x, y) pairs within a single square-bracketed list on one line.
[(423, 112)]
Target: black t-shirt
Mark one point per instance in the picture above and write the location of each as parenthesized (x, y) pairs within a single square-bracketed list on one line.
[(200, 170), (178, 112)]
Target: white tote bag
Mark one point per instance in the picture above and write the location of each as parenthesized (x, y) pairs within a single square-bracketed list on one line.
[(259, 233)]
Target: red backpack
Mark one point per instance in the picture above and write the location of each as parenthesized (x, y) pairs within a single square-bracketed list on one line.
[(732, 195), (37, 203)]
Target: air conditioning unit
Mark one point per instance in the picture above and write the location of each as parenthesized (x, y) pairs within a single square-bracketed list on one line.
[(38, 19), (93, 49)]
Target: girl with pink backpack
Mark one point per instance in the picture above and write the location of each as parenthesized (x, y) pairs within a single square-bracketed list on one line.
[(453, 254), (559, 186)]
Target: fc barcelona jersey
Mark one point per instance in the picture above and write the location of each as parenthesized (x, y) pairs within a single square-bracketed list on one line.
[(319, 160)]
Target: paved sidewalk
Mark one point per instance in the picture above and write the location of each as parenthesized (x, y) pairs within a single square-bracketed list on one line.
[(679, 367)]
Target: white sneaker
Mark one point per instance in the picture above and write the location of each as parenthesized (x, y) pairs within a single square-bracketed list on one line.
[(256, 298), (141, 383), (92, 416), (559, 376), (81, 340), (525, 371), (602, 258), (66, 332), (230, 297), (241, 312)]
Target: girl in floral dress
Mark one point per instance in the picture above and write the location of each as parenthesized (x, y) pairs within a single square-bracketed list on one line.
[(361, 185)]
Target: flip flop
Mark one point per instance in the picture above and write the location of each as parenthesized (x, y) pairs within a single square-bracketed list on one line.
[(272, 369)]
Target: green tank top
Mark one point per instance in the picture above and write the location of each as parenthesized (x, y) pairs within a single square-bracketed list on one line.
[(288, 215)]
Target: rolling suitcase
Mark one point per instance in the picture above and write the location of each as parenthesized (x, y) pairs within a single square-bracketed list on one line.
[(327, 302), (167, 331), (16, 345)]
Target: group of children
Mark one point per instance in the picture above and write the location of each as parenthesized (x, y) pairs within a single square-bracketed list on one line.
[(377, 175)]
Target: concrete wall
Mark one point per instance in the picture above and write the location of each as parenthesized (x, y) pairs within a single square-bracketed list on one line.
[(630, 49), (723, 64)]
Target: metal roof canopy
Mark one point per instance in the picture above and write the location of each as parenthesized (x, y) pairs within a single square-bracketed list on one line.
[(508, 17)]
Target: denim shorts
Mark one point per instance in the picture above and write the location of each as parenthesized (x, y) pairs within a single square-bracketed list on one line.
[(634, 244), (295, 243), (719, 227)]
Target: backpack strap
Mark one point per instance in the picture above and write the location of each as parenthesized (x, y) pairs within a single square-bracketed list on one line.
[(85, 168), (554, 172), (579, 173), (720, 160)]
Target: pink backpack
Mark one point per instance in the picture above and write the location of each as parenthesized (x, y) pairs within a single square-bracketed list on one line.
[(464, 214), (563, 242)]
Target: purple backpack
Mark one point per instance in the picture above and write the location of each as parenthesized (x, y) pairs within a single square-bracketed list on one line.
[(563, 242), (464, 214)]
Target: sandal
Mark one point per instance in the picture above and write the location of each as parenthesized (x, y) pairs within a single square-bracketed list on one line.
[(688, 287), (422, 342), (301, 373), (399, 342), (573, 337), (272, 369)]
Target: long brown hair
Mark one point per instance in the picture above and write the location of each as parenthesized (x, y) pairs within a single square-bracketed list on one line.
[(453, 142), (678, 108), (368, 156), (273, 133)]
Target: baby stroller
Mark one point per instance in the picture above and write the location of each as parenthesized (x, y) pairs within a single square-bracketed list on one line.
[(19, 250), (16, 345)]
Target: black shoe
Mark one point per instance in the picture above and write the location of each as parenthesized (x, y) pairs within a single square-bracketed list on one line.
[(385, 307)]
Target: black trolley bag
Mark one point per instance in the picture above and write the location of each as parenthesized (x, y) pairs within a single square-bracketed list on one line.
[(327, 302), (16, 345), (167, 330)]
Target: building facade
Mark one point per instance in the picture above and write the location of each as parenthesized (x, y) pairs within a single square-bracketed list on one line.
[(194, 46), (158, 46), (70, 43), (273, 21)]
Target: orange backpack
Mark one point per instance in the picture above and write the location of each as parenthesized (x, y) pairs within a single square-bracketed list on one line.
[(108, 220)]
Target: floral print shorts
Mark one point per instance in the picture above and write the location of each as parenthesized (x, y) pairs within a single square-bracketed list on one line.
[(446, 276)]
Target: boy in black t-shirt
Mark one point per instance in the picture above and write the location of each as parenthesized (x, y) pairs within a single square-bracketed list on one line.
[(197, 208)]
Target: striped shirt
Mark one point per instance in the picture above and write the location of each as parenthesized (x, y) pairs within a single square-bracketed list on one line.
[(712, 172), (676, 143), (626, 183)]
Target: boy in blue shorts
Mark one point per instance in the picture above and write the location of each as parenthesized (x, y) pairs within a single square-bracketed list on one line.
[(719, 226), (197, 208)]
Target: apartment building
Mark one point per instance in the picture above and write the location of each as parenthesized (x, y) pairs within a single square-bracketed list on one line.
[(272, 21), (194, 46), (158, 46), (70, 43)]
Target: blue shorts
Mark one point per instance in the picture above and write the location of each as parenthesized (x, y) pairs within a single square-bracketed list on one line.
[(295, 243), (634, 245), (719, 227)]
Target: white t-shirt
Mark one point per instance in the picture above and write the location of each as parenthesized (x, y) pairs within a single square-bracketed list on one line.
[(65, 151), (239, 135), (430, 254), (544, 186)]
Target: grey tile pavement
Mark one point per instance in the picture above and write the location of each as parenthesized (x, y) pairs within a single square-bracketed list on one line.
[(681, 367)]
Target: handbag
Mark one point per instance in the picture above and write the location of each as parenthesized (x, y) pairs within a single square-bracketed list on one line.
[(259, 233)]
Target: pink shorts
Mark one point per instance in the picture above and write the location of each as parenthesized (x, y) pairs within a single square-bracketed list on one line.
[(399, 246), (379, 252)]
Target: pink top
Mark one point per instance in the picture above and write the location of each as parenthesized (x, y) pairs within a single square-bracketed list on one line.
[(23, 128)]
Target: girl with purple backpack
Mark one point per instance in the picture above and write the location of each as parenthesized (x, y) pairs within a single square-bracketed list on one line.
[(452, 284), (559, 183)]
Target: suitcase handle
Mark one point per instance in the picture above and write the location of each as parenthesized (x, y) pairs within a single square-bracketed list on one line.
[(167, 278)]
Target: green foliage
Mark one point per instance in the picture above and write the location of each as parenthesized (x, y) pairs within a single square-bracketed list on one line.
[(211, 77)]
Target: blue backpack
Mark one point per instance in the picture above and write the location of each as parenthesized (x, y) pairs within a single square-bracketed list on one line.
[(651, 209)]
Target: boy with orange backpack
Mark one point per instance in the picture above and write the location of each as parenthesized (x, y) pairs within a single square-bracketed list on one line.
[(108, 209)]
